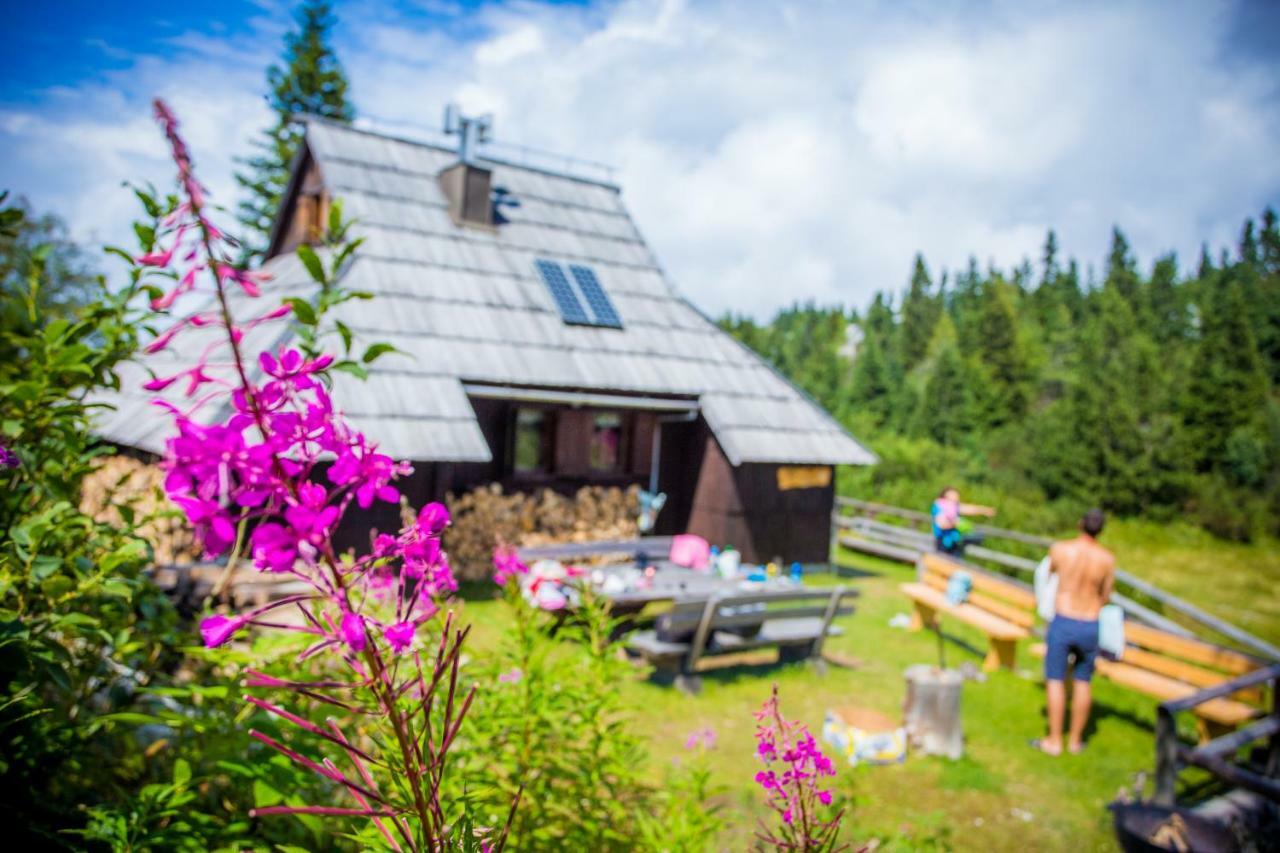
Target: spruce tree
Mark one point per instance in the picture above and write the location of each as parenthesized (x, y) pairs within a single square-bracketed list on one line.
[(874, 384), (1005, 392), (1227, 390), (1167, 302), (312, 82), (1122, 276), (1122, 451), (1268, 295), (920, 310), (945, 408)]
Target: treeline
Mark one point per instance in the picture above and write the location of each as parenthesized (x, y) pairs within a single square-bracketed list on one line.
[(1150, 392)]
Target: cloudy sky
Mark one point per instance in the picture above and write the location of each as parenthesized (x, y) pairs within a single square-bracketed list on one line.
[(771, 151)]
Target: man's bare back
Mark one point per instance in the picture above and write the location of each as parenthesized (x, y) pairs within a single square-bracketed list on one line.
[(1086, 574)]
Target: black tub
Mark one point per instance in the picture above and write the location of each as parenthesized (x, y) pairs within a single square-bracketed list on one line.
[(1135, 823)]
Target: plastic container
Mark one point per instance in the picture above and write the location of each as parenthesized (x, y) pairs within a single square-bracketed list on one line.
[(728, 563)]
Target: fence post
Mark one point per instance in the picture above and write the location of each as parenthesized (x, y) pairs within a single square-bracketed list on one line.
[(1166, 757)]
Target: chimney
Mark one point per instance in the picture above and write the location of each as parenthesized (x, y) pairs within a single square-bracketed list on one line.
[(467, 185)]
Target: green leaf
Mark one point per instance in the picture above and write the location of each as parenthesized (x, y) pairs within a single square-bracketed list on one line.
[(117, 588), (335, 216), (375, 351), (146, 234), (265, 795), (181, 772), (311, 261), (352, 368), (302, 311), (345, 332)]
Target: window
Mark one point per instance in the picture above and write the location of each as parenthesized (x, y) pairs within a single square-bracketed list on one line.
[(531, 453), (581, 300), (608, 442)]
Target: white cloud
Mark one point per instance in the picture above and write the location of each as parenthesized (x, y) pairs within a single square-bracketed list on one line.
[(771, 152)]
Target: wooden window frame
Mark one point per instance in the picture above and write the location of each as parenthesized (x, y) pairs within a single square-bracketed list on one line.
[(548, 452)]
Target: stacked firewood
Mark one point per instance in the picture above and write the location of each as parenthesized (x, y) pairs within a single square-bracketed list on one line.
[(487, 516), (122, 481)]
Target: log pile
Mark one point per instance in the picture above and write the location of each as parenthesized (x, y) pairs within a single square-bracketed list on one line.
[(124, 481), (487, 516)]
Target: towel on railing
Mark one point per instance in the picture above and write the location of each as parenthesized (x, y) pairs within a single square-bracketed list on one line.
[(1111, 631)]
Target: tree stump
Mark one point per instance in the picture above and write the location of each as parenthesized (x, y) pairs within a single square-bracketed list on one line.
[(932, 710)]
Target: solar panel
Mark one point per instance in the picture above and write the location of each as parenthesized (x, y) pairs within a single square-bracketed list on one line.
[(597, 299), (571, 310)]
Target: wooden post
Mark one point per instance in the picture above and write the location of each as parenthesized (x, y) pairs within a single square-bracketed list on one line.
[(1273, 745), (833, 604), (1166, 758), (1002, 653), (700, 636)]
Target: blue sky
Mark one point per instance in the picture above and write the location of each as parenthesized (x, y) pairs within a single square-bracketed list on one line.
[(771, 151)]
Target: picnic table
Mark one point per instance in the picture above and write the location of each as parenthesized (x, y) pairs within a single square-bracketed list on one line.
[(707, 614), (629, 588)]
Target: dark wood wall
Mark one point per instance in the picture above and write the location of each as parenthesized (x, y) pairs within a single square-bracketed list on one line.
[(742, 506)]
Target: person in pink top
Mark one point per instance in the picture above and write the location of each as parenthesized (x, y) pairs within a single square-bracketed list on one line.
[(947, 512)]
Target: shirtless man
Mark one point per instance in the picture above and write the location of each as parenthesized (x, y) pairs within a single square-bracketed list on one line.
[(1086, 574)]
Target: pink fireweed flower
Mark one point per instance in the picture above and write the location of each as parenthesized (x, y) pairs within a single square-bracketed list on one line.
[(506, 565), (400, 635), (352, 630), (161, 382), (293, 367), (259, 459), (796, 791), (214, 527), (370, 473), (511, 676), (705, 738), (218, 629), (8, 459), (433, 519)]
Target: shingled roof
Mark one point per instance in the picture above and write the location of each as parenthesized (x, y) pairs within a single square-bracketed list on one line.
[(465, 305)]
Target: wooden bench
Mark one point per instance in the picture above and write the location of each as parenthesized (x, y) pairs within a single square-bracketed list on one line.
[(1002, 610), (796, 622), (1169, 667)]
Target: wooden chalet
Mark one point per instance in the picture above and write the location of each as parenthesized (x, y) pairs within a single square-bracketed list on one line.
[(540, 344)]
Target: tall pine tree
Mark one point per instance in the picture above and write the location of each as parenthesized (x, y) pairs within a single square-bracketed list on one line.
[(1227, 390), (920, 310), (1005, 390), (311, 83)]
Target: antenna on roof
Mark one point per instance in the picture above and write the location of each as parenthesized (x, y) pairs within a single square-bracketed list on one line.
[(471, 130)]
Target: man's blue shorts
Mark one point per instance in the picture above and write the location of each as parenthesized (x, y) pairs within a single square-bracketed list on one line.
[(1075, 638)]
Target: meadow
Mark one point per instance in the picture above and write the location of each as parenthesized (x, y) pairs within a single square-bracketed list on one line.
[(1002, 795)]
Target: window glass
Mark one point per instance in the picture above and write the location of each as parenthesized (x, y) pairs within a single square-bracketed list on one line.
[(532, 453), (608, 442)]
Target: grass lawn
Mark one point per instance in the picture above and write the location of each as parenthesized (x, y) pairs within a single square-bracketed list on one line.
[(1001, 796), (1233, 581)]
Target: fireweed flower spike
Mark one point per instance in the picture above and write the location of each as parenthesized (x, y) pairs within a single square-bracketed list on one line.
[(794, 790), (259, 465), (8, 459)]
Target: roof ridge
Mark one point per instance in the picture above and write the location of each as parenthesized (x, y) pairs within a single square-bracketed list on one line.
[(309, 118)]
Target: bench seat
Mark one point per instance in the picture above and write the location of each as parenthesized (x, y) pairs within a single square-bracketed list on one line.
[(1222, 712), (774, 632), (1002, 634)]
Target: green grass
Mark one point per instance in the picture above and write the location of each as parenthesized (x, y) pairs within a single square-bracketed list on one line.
[(1231, 580), (1001, 796)]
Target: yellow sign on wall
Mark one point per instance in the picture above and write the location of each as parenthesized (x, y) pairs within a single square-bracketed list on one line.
[(803, 477)]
